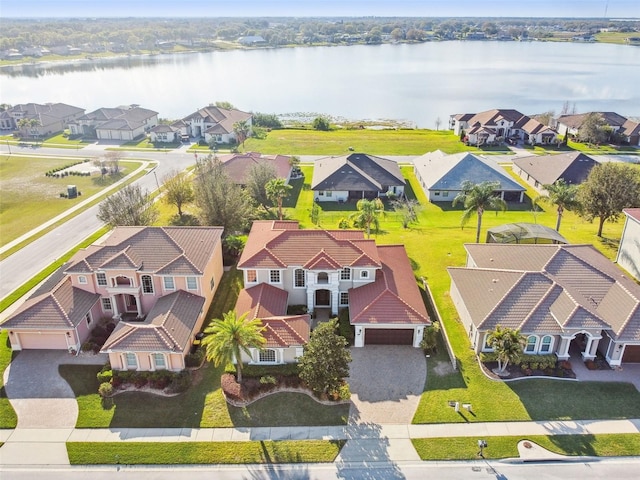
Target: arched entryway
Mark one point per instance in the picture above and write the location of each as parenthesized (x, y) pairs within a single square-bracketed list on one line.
[(582, 344), (323, 298)]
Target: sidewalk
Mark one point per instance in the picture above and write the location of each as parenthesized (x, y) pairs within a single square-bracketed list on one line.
[(384, 442)]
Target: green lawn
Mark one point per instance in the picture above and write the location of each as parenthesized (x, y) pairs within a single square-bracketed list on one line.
[(62, 139), (466, 448), (190, 453), (29, 198), (436, 243), (376, 142), (8, 418)]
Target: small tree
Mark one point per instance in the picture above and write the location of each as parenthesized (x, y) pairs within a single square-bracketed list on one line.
[(562, 195), (112, 159), (277, 191), (178, 190), (131, 206), (367, 214), (429, 341), (438, 123), (325, 362), (593, 129), (321, 123), (228, 337), (507, 345), (609, 188), (242, 129), (477, 198), (260, 174), (408, 211)]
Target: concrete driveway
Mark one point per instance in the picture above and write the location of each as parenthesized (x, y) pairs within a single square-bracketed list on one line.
[(386, 382), (40, 397)]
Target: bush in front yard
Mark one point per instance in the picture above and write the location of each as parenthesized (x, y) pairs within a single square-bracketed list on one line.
[(105, 389), (104, 376), (231, 388), (194, 359), (344, 327)]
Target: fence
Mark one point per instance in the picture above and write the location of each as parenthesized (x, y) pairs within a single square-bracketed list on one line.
[(443, 329)]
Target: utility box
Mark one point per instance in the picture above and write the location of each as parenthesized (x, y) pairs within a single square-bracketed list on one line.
[(72, 191)]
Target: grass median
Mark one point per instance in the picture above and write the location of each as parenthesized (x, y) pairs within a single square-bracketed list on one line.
[(466, 448)]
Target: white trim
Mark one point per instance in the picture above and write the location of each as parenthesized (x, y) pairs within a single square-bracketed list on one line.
[(195, 279), (164, 284)]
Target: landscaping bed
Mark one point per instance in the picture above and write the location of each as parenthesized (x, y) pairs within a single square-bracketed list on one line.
[(561, 370)]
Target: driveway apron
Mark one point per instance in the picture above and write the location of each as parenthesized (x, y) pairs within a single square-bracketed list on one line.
[(41, 398), (386, 382)]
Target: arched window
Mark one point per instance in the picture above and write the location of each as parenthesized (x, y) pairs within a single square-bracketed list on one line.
[(323, 277), (147, 284), (546, 344), (267, 356), (532, 341), (298, 275)]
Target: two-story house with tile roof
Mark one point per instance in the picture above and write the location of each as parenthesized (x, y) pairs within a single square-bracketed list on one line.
[(334, 269), (156, 282)]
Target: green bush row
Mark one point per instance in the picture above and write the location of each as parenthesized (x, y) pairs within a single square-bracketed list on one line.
[(58, 169), (344, 327), (257, 371), (535, 362)]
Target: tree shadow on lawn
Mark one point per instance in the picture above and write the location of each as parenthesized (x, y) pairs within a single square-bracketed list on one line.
[(288, 409), (557, 400), (292, 199)]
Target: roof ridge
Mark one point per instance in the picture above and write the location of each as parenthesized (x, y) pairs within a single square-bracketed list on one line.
[(539, 303), (58, 305), (364, 174), (274, 332), (499, 302)]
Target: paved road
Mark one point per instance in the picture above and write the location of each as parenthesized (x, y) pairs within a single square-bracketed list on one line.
[(618, 468)]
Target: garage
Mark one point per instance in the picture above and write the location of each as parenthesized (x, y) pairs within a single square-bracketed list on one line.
[(388, 336), (631, 354), (42, 341)]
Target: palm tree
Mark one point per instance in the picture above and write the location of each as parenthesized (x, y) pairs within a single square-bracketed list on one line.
[(476, 198), (561, 194), (368, 213), (277, 190), (227, 338), (241, 129), (507, 345)]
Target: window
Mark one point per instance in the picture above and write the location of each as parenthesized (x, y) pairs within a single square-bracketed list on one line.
[(102, 279), (274, 276), (532, 340), (82, 279), (298, 278), (88, 318), (546, 344), (329, 193), (267, 356), (344, 298), (147, 284), (364, 274), (486, 347), (159, 361), (131, 360), (168, 283), (323, 277), (212, 283), (106, 304), (192, 283), (445, 193), (252, 276), (436, 194), (345, 274)]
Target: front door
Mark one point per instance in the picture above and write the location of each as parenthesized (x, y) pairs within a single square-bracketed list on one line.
[(131, 304), (323, 298)]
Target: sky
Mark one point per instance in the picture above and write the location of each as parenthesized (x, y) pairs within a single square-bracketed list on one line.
[(319, 8)]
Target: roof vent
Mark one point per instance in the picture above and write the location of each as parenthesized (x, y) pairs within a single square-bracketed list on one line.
[(494, 280)]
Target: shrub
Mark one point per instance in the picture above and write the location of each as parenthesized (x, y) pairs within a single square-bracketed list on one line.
[(268, 380), (140, 379), (105, 389), (231, 387), (344, 392), (194, 359), (297, 310), (104, 376), (180, 382), (160, 379), (488, 357), (256, 371), (344, 327), (321, 123), (88, 346)]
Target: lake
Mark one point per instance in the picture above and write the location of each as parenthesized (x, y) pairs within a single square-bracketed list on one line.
[(418, 83)]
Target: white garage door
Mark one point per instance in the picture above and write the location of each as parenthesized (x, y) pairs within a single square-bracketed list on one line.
[(43, 341)]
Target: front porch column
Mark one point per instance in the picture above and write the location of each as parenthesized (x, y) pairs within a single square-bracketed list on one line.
[(502, 195), (114, 305), (521, 197), (138, 306), (591, 348), (310, 299), (335, 297), (359, 340), (563, 349)]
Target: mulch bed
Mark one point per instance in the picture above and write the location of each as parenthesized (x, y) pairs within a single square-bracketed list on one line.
[(562, 370)]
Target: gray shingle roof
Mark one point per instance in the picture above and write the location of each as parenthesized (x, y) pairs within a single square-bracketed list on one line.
[(357, 171), (573, 167)]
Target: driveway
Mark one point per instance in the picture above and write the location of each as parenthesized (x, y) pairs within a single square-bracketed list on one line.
[(386, 382), (40, 397)]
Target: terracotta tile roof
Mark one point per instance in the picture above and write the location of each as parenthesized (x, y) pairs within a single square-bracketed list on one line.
[(269, 304), (151, 249), (262, 301), (394, 297), (529, 285), (168, 326), (272, 247), (573, 167), (321, 261), (284, 332), (239, 165), (63, 307)]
